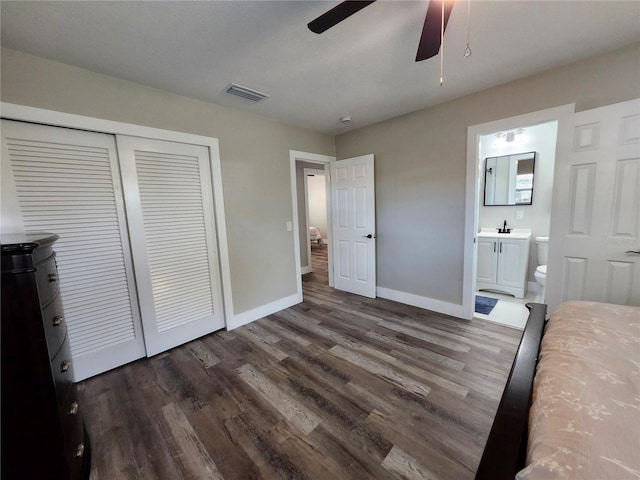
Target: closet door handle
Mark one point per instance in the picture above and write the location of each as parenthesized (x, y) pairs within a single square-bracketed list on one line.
[(494, 247), (500, 247)]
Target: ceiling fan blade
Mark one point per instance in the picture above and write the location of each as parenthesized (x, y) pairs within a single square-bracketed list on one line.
[(429, 45), (337, 14)]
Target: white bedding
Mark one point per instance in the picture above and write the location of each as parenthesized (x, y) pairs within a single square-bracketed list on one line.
[(314, 235), (585, 417)]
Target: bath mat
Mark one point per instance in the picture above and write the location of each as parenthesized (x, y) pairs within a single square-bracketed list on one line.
[(484, 305)]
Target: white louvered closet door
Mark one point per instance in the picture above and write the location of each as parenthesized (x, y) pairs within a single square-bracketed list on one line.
[(67, 182), (169, 202)]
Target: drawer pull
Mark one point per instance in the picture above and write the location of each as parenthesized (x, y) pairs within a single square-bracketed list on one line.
[(53, 277), (57, 320), (73, 409), (80, 450), (66, 365)]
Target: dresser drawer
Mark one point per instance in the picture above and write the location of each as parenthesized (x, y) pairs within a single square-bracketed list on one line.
[(77, 449), (55, 328), (47, 279), (72, 433), (70, 407), (62, 372)]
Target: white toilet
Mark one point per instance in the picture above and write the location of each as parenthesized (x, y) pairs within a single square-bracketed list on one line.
[(542, 245)]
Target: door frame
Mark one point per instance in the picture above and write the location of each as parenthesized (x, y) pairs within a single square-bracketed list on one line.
[(324, 160), (308, 172), (11, 111), (473, 187)]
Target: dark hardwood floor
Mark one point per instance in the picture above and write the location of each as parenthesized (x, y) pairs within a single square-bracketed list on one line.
[(337, 387)]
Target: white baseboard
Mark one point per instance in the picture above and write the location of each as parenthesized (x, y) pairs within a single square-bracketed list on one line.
[(422, 302), (263, 311), (305, 270)]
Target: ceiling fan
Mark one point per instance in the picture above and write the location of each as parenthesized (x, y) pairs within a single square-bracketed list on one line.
[(434, 24)]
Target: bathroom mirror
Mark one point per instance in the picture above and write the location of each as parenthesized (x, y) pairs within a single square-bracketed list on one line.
[(508, 180)]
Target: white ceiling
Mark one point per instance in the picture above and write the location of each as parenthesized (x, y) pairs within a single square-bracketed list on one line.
[(364, 67)]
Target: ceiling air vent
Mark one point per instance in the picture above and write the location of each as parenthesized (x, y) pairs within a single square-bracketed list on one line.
[(247, 93)]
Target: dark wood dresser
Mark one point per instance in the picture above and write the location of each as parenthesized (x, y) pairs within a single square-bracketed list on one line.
[(43, 435)]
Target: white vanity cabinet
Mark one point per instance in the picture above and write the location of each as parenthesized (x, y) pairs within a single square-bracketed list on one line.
[(503, 261)]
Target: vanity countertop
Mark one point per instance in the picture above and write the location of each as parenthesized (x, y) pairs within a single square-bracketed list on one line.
[(515, 233)]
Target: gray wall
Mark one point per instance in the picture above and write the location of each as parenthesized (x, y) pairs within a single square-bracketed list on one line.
[(254, 155), (421, 164)]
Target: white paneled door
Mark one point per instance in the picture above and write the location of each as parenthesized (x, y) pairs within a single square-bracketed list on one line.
[(67, 182), (354, 225), (169, 205), (594, 246)]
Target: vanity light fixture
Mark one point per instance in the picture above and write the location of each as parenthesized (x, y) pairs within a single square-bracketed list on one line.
[(502, 138), (519, 135)]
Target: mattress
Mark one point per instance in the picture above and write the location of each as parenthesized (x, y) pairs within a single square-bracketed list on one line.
[(585, 414)]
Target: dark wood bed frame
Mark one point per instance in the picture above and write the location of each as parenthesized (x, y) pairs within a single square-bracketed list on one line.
[(505, 451)]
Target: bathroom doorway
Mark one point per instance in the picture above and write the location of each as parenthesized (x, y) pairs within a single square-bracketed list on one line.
[(527, 214)]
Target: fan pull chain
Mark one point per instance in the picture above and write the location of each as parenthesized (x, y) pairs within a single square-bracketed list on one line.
[(467, 51), (442, 45)]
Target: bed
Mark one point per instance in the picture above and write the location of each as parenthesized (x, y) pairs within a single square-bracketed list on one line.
[(315, 236), (579, 417)]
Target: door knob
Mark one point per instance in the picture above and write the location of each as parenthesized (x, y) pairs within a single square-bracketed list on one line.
[(369, 236)]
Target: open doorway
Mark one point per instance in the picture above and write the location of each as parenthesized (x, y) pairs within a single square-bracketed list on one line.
[(314, 164), (350, 194), (534, 132), (521, 199), (316, 225)]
